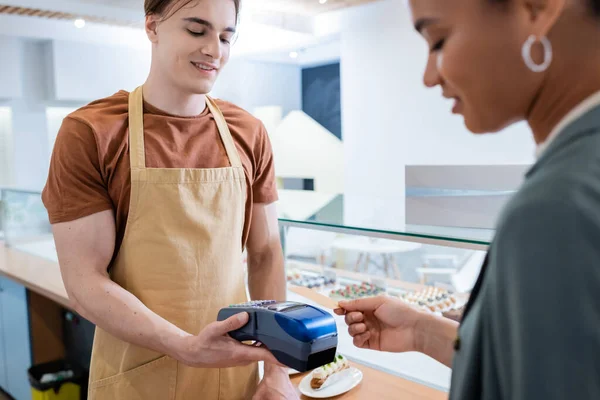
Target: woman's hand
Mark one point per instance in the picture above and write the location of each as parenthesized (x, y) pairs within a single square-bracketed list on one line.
[(388, 324), (381, 323)]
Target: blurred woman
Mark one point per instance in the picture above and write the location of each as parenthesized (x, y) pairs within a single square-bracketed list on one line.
[(531, 329)]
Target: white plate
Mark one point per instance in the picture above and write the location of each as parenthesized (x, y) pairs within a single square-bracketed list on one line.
[(292, 371), (351, 378)]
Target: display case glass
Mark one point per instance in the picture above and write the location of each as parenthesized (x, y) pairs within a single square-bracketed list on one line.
[(339, 255), (325, 252), (369, 216), (328, 259), (23, 217)]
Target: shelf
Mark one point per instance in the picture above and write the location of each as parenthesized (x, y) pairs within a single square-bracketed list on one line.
[(325, 212), (358, 277)]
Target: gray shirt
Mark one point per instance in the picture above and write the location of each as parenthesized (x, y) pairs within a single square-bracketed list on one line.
[(532, 328)]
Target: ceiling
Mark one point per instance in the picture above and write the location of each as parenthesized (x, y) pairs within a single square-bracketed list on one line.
[(136, 5), (130, 12), (304, 7), (272, 28)]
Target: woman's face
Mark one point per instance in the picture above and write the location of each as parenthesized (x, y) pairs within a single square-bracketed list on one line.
[(191, 46), (475, 56)]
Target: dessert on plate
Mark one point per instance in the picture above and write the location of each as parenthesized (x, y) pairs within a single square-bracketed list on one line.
[(320, 375)]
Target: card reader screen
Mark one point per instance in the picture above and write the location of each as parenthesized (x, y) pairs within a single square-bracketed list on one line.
[(286, 307)]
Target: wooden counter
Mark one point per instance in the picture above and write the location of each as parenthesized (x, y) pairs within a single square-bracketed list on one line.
[(43, 277), (35, 273), (380, 386)]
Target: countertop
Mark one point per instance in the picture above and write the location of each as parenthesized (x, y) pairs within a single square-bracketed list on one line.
[(42, 275), (35, 273), (381, 386)]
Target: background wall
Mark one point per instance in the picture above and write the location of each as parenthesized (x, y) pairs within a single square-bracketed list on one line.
[(251, 84), (388, 118), (10, 79), (84, 71), (6, 147), (391, 120), (321, 96), (30, 145), (43, 80)]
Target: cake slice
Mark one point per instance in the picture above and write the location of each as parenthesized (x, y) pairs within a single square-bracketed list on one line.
[(320, 375)]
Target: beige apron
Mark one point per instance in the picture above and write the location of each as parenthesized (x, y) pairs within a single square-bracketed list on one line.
[(181, 256)]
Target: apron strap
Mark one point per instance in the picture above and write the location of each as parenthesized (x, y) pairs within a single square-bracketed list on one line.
[(226, 138), (137, 154)]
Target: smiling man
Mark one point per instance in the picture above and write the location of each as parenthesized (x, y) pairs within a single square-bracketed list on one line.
[(153, 196)]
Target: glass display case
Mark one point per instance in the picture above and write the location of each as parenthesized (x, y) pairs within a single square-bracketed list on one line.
[(327, 250), (346, 246), (341, 256), (333, 252), (23, 217)]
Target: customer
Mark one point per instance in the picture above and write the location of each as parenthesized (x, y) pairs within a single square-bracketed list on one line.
[(531, 329), (153, 195)]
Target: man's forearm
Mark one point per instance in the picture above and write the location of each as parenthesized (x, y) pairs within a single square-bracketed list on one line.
[(436, 337), (266, 281), (266, 275), (124, 316)]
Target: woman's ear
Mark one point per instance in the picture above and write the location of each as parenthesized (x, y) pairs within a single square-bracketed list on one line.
[(151, 25), (543, 14)]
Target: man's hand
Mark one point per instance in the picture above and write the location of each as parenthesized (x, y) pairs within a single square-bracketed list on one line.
[(213, 348), (276, 385)]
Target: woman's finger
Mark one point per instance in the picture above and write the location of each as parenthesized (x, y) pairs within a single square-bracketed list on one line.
[(361, 340), (357, 329), (339, 311), (354, 317)]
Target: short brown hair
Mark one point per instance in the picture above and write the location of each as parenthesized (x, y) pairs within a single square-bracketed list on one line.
[(167, 7)]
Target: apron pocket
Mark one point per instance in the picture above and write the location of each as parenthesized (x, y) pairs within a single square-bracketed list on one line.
[(153, 380)]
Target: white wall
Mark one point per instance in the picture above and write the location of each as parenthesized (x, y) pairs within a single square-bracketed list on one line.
[(10, 73), (6, 147), (251, 84), (85, 71), (299, 138), (29, 119), (62, 75), (390, 119)]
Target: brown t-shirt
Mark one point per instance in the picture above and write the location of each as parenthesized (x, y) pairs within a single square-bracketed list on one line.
[(90, 169)]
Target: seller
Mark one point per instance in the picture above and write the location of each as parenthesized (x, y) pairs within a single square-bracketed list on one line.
[(531, 327), (153, 195)]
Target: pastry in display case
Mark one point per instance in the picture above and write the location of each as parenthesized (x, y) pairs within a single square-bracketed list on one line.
[(294, 275), (356, 291), (311, 280), (432, 299)]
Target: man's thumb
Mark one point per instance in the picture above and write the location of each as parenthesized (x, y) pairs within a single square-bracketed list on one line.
[(232, 323)]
